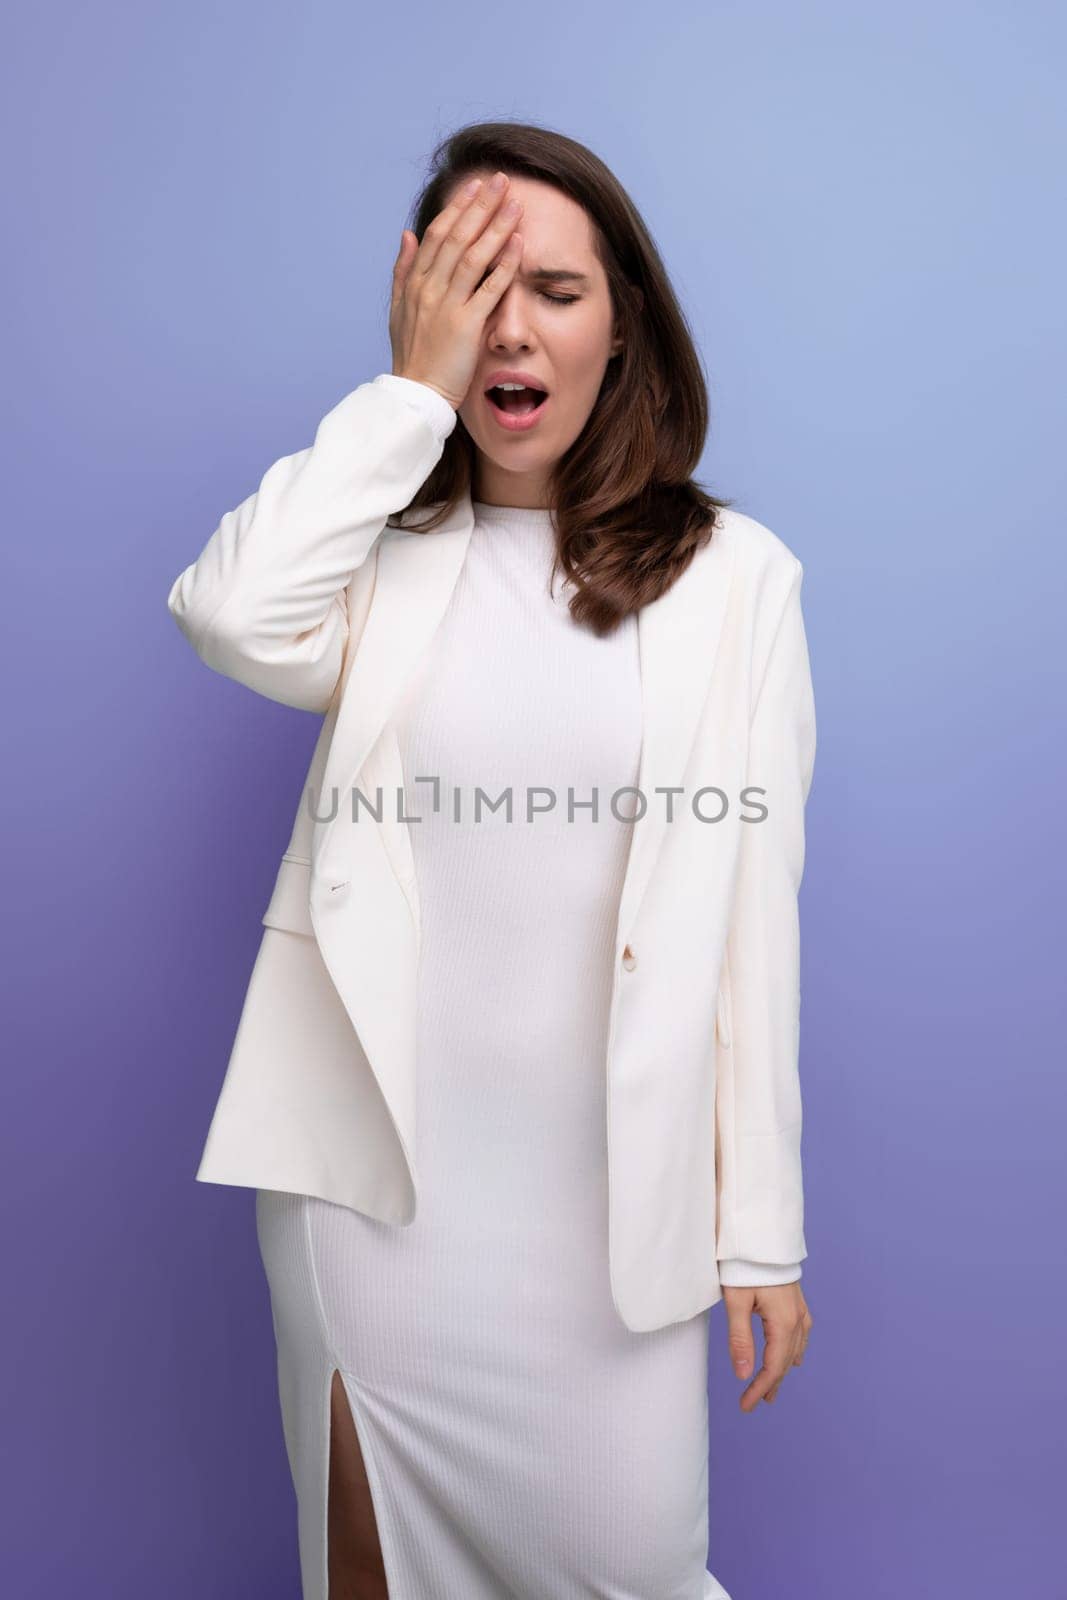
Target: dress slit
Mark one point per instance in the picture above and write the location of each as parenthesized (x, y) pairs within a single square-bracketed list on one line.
[(306, 1363), (376, 1487)]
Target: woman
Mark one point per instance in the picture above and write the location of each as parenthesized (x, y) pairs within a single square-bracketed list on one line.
[(467, 1410)]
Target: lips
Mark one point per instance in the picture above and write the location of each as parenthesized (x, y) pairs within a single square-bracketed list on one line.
[(532, 380), (517, 420)]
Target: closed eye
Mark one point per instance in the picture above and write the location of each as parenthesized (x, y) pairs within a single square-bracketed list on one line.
[(553, 299)]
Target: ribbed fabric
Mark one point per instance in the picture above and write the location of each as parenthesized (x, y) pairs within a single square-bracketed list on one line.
[(521, 1442)]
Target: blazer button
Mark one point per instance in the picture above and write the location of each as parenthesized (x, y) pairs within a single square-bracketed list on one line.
[(629, 960)]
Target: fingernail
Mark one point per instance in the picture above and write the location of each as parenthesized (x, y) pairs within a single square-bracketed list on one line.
[(472, 187)]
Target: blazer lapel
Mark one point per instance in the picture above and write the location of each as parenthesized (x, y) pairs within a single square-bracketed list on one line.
[(678, 639), (416, 574)]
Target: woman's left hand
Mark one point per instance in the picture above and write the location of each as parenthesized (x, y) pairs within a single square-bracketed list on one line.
[(787, 1322)]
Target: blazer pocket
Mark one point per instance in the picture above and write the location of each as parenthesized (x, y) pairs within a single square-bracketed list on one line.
[(289, 906)]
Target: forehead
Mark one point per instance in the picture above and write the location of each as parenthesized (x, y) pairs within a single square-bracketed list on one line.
[(557, 232)]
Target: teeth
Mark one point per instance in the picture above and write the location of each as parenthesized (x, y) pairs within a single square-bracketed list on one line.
[(519, 387)]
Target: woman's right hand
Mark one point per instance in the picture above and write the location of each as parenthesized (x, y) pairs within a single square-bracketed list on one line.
[(439, 306)]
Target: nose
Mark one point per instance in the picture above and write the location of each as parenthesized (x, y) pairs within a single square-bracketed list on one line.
[(508, 324)]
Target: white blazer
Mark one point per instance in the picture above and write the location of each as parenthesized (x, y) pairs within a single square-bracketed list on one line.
[(305, 595)]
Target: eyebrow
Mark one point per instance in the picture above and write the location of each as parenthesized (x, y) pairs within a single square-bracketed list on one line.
[(556, 275)]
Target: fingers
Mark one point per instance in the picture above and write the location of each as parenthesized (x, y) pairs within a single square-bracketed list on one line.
[(791, 1345), (777, 1356), (742, 1345), (438, 230), (450, 262), (463, 252), (786, 1324), (425, 252), (492, 286), (402, 265), (435, 321)]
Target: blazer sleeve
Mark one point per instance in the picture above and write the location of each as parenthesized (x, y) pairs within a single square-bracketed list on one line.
[(264, 602), (737, 1273), (758, 1102)]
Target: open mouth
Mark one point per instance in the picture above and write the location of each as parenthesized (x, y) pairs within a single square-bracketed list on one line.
[(516, 402)]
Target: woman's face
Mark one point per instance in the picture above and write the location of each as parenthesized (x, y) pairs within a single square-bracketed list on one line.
[(560, 331)]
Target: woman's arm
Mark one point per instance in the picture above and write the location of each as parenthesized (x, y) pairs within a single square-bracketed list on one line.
[(265, 601), (761, 1206)]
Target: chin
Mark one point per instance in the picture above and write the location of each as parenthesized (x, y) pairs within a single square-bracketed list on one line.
[(520, 454)]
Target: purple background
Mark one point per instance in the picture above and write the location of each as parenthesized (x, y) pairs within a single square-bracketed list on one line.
[(859, 212)]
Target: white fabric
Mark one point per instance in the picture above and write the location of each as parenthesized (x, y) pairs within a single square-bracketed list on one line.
[(431, 405), (521, 1442), (513, 667)]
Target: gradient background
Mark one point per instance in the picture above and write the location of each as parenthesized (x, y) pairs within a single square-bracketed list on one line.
[(858, 207)]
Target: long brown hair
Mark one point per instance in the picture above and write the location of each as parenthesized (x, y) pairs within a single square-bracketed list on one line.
[(629, 516)]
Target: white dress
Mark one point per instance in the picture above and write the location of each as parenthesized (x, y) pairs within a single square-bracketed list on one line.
[(521, 1443)]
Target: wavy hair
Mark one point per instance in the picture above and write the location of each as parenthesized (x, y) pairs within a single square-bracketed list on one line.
[(627, 512)]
